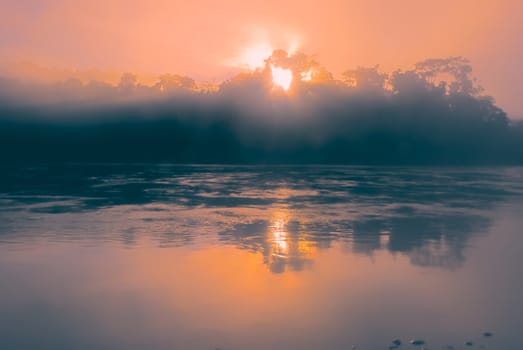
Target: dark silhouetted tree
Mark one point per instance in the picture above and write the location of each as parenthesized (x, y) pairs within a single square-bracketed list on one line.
[(174, 82), (365, 78), (128, 83)]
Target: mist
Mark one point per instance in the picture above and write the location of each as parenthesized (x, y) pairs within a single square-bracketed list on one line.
[(433, 114)]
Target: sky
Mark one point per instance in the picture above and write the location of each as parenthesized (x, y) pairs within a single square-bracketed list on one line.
[(208, 39)]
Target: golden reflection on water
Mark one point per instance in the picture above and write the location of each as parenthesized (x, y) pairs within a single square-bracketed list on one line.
[(225, 296), (278, 234), (287, 248)]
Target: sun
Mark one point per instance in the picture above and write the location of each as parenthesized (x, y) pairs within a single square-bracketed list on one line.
[(281, 77), (257, 57)]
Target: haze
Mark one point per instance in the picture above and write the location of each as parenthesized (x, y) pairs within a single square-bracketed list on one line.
[(205, 38)]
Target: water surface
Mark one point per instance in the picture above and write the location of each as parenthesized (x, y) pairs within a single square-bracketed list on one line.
[(205, 257)]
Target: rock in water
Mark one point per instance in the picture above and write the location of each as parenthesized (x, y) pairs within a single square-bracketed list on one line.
[(396, 342), (487, 334), (468, 343), (417, 342)]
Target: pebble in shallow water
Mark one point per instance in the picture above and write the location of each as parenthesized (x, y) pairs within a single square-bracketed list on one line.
[(469, 343), (417, 342), (396, 342), (487, 334)]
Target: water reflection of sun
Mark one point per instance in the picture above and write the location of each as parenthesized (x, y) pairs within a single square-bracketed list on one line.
[(278, 234), (287, 247)]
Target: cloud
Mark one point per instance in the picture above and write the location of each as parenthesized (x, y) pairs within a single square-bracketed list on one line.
[(432, 114)]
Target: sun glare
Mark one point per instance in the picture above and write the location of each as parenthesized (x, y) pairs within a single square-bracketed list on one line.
[(306, 76), (257, 56), (254, 57), (281, 77)]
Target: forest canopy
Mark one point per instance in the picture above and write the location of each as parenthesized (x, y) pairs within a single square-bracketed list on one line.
[(435, 113)]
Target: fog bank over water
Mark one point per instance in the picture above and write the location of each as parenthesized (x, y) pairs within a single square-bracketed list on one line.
[(432, 114)]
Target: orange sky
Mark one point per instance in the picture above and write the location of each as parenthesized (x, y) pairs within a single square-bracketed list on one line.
[(202, 37)]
